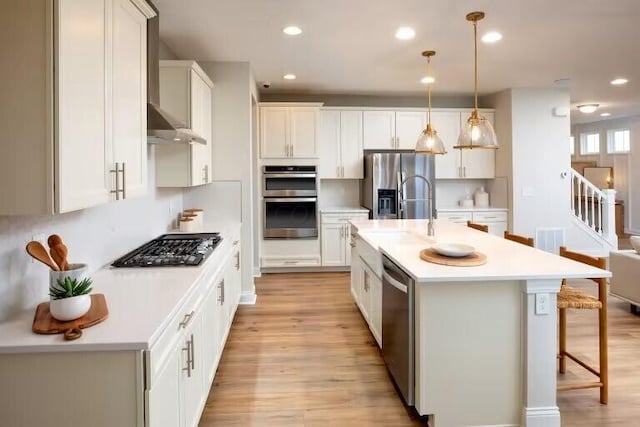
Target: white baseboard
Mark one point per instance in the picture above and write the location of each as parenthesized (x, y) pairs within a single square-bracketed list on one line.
[(257, 272), (248, 299), (548, 416)]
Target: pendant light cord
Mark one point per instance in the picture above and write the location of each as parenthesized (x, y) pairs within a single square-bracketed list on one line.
[(429, 90), (475, 54)]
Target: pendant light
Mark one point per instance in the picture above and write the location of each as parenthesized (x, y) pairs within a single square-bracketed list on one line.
[(477, 132), (429, 142)]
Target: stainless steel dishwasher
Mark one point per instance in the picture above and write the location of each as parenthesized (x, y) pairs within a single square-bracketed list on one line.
[(398, 344)]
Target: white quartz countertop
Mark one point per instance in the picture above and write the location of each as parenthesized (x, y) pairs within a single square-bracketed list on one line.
[(474, 209), (402, 241), (141, 302), (344, 209)]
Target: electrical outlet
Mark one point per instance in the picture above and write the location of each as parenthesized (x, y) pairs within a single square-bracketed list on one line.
[(542, 304)]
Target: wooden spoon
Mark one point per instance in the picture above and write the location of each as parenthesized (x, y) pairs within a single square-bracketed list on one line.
[(59, 251), (39, 252)]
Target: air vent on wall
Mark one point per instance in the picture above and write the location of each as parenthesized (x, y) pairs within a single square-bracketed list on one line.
[(550, 239)]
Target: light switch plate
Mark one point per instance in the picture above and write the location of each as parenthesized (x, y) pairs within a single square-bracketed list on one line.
[(528, 191)]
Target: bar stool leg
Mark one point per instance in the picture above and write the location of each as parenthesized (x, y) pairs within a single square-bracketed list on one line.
[(562, 334), (604, 373)]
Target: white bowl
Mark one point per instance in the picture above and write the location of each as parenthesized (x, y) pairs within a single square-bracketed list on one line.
[(635, 242), (70, 308), (455, 250)]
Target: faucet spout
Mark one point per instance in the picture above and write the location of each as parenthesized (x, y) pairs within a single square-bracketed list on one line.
[(430, 225)]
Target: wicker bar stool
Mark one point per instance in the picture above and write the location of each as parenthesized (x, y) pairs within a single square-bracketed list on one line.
[(528, 241), (569, 297), (480, 227)]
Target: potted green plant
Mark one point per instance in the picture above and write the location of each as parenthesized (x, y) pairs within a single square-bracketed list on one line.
[(70, 298)]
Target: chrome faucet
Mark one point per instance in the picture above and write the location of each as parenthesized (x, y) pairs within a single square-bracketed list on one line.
[(430, 226)]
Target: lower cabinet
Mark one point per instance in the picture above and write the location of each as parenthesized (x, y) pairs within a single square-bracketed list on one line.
[(366, 289), (335, 237), (495, 219)]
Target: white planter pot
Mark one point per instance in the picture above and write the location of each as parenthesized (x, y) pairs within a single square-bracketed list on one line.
[(70, 308), (76, 271)]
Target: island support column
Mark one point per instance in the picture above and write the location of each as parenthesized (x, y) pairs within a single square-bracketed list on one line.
[(540, 332)]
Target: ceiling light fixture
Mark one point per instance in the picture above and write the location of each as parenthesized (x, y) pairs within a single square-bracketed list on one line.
[(619, 81), (605, 114), (427, 80), (588, 108), (292, 30), (429, 142), (477, 132), (289, 77), (405, 33), (491, 37)]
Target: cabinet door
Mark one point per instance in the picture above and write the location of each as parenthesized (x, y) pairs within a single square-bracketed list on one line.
[(365, 294), (210, 338), (274, 132), (351, 144), (192, 379), (356, 279), (303, 123), (163, 400), (379, 130), (447, 124), (329, 164), (201, 125), (496, 228), (375, 318), (347, 245), (333, 246), (409, 125), (83, 140), (129, 104), (481, 163), (223, 313)]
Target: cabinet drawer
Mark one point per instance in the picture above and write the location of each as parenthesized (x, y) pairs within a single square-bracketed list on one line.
[(461, 217), (500, 216), (288, 262), (164, 346), (335, 218)]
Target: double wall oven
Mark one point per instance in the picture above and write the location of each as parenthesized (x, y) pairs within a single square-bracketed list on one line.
[(290, 195)]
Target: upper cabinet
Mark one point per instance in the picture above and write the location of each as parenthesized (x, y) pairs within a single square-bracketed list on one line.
[(289, 130), (73, 112), (392, 130), (465, 164), (186, 94), (341, 151)]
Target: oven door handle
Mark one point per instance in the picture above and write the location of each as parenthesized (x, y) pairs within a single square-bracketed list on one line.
[(289, 199), (290, 175)]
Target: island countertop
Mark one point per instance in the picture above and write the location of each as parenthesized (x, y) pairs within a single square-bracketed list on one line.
[(402, 241)]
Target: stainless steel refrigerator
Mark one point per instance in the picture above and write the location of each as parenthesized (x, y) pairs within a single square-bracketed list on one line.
[(383, 173)]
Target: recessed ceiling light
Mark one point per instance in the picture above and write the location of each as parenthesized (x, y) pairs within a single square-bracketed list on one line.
[(427, 80), (405, 33), (492, 37), (588, 108), (619, 81), (289, 77), (292, 30), (605, 114)]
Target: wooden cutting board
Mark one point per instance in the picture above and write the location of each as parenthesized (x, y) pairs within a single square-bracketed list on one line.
[(473, 260), (44, 323)]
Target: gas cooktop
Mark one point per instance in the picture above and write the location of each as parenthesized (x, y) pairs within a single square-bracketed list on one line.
[(172, 250)]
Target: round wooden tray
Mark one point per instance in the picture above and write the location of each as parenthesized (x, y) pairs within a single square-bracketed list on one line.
[(473, 260)]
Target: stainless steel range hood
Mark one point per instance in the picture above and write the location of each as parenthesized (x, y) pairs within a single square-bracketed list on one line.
[(162, 128)]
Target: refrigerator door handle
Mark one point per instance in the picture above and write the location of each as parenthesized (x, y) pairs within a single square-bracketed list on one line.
[(400, 195)]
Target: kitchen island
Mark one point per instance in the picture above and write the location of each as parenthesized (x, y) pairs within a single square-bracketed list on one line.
[(485, 336)]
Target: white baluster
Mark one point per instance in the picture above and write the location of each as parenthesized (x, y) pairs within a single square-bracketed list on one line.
[(573, 195), (580, 199), (600, 209), (593, 209)]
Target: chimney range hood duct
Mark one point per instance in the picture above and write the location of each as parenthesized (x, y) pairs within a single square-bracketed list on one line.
[(162, 128)]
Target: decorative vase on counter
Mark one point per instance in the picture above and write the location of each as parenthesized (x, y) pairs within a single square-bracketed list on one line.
[(481, 198), (75, 271), (67, 309)]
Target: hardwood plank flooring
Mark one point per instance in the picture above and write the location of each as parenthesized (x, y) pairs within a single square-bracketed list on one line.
[(303, 356)]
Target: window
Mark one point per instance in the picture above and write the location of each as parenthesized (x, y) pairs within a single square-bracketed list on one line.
[(589, 143), (572, 143), (618, 141)]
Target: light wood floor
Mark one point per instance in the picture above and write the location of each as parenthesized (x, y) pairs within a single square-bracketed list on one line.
[(303, 356)]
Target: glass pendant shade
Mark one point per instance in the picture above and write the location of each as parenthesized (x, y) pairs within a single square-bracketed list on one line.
[(477, 132), (429, 142)]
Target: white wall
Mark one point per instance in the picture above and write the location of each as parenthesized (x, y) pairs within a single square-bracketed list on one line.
[(626, 167), (95, 236), (339, 193), (450, 192)]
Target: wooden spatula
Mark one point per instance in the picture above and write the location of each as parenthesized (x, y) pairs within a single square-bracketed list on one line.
[(39, 252), (58, 251)]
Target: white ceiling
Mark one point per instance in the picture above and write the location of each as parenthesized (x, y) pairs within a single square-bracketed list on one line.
[(348, 46)]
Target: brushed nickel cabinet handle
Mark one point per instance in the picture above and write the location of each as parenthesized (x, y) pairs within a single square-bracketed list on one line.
[(124, 181), (188, 350), (187, 318), (117, 172), (193, 353)]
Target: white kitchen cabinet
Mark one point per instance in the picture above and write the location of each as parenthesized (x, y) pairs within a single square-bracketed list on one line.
[(494, 218), (341, 151), (192, 375), (375, 310), (164, 398), (466, 164), (336, 237), (74, 109), (392, 130), (186, 94), (289, 130)]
